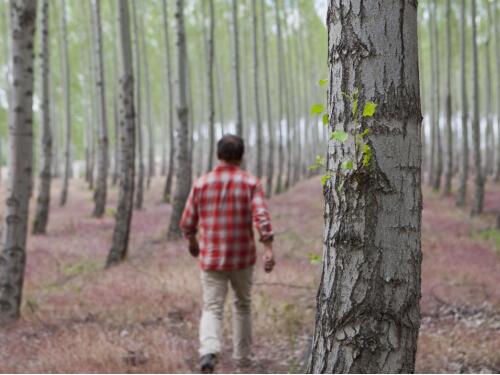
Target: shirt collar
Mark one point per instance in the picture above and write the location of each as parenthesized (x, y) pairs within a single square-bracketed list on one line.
[(223, 165)]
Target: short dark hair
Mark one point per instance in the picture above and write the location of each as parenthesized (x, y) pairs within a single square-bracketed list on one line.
[(230, 148)]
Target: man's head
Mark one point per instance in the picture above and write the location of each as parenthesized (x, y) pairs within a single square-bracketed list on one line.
[(230, 149)]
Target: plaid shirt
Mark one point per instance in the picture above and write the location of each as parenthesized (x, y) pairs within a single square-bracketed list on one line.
[(223, 204)]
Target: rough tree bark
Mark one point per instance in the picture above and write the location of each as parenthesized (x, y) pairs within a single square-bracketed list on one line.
[(167, 191), (449, 135), (270, 129), (183, 159), (236, 70), (368, 301), (256, 92), (477, 205), (43, 200), (124, 210), (100, 193), (67, 106), (17, 197), (464, 165)]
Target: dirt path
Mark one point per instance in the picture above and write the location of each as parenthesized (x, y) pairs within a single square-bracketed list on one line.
[(142, 316)]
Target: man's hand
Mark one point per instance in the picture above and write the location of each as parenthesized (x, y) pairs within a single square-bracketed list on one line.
[(269, 261), (194, 248)]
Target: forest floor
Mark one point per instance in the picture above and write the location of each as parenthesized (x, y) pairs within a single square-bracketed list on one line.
[(142, 316)]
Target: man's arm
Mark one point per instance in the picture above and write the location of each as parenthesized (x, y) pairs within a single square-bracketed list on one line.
[(189, 223), (262, 220)]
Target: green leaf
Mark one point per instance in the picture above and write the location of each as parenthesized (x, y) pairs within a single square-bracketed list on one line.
[(367, 155), (314, 259), (313, 167), (317, 109), (365, 133), (369, 109), (321, 161), (323, 82), (325, 179), (326, 119), (339, 135), (348, 165), (355, 107)]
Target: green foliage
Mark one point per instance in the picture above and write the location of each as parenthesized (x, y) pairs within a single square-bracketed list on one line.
[(367, 155), (324, 179), (369, 109), (326, 119), (323, 82), (347, 165), (340, 136), (320, 162), (314, 259), (317, 109)]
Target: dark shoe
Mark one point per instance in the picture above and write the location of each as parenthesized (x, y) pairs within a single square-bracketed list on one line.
[(208, 363)]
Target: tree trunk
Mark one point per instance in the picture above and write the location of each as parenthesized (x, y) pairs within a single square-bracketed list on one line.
[(281, 78), (168, 182), (464, 170), (17, 197), (436, 184), (43, 201), (102, 158), (236, 70), (497, 55), (477, 206), (67, 106), (449, 134), (368, 313), (183, 159), (270, 129), (490, 138), (210, 84), (258, 122), (139, 197), (124, 210)]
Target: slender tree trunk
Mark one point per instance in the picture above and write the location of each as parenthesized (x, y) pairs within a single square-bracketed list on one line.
[(270, 129), (168, 182), (256, 90), (449, 134), (432, 104), (437, 98), (490, 138), (496, 30), (139, 197), (464, 171), (210, 84), (67, 106), (149, 123), (100, 193), (281, 78), (17, 197), (477, 206), (236, 70), (124, 210), (368, 313), (43, 201), (183, 160)]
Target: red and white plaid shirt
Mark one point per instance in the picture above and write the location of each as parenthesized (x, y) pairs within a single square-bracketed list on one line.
[(223, 204)]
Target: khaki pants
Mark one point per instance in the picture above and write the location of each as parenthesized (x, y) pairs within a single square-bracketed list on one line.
[(215, 286)]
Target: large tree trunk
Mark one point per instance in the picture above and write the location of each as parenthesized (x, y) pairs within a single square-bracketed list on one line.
[(171, 151), (124, 210), (281, 79), (183, 154), (43, 201), (368, 313), (67, 106), (102, 158), (477, 206), (139, 196), (270, 128), (258, 122), (236, 70), (15, 226), (497, 55), (464, 170), (449, 135)]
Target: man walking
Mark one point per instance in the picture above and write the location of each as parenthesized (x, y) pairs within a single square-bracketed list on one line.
[(222, 208)]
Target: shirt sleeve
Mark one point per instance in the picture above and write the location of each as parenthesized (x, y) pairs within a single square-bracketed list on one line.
[(189, 220), (260, 214)]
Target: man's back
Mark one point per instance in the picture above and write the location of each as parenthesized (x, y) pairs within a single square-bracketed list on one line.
[(223, 204)]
